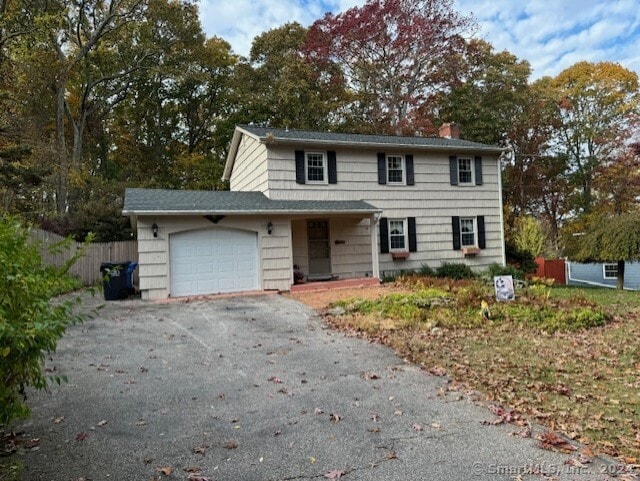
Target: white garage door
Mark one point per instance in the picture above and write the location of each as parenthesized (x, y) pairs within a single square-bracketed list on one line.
[(213, 261)]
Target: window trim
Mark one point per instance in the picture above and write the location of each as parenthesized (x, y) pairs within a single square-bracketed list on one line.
[(403, 168), (604, 270), (475, 232), (325, 168), (405, 235), (471, 170)]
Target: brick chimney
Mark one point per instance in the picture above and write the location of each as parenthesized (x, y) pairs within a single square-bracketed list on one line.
[(449, 131)]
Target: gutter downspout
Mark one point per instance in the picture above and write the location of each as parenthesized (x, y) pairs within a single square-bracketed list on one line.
[(504, 252)]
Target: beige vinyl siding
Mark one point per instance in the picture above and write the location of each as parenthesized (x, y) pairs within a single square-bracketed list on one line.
[(432, 200), (353, 257), (300, 244), (250, 167), (275, 266)]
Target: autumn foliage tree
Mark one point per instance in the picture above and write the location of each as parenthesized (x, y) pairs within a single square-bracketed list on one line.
[(596, 103), (395, 55)]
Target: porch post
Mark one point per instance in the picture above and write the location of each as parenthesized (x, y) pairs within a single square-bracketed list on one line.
[(373, 223)]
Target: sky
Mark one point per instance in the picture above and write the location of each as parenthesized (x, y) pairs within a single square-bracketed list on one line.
[(551, 34)]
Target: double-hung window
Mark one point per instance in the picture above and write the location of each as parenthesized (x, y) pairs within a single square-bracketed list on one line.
[(315, 168), (465, 170), (467, 232), (395, 169), (397, 235), (610, 271)]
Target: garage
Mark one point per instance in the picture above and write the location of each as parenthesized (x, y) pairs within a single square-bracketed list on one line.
[(211, 261)]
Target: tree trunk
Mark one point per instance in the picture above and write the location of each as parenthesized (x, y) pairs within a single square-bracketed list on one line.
[(61, 150), (620, 277)]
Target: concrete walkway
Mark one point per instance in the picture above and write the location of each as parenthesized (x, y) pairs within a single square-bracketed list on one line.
[(257, 388)]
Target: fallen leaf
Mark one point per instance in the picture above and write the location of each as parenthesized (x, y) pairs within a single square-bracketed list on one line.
[(334, 474), (417, 427), (335, 417), (438, 371), (58, 420), (102, 423), (312, 460), (196, 477), (318, 411), (202, 449), (81, 436), (391, 455), (552, 442), (233, 444), (275, 379), (192, 469), (141, 423), (32, 443), (167, 470)]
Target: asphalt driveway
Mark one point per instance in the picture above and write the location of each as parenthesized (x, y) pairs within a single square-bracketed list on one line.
[(258, 388)]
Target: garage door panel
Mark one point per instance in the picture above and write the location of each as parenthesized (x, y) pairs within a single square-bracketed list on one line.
[(212, 261)]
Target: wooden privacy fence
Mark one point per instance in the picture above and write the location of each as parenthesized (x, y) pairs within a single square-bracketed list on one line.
[(87, 267), (552, 269)]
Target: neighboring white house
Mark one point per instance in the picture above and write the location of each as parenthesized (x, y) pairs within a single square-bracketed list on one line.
[(335, 205)]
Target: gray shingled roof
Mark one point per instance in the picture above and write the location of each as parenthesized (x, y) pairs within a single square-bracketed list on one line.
[(162, 201), (303, 136)]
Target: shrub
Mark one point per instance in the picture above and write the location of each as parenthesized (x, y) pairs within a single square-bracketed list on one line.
[(455, 271), (30, 325), (426, 271), (498, 270)]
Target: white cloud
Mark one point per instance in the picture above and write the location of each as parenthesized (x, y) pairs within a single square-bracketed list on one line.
[(240, 21), (550, 34)]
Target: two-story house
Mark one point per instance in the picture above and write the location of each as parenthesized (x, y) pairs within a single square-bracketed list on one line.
[(333, 205)]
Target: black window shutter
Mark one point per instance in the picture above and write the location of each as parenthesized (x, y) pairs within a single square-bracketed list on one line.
[(413, 244), (382, 168), (482, 242), (455, 225), (453, 169), (478, 161), (384, 235), (300, 174), (333, 170), (408, 160)]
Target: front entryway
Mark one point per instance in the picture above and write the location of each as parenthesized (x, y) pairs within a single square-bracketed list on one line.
[(319, 248)]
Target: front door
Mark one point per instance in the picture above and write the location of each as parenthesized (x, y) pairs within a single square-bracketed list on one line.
[(319, 252)]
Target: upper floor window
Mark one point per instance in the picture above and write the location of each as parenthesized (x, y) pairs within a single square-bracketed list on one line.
[(316, 167), (465, 170), (395, 169), (397, 235), (610, 271)]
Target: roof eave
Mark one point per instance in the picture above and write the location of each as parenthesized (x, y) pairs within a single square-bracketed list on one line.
[(379, 145), (233, 150), (140, 213)]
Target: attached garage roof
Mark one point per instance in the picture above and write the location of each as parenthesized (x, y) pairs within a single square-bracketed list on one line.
[(204, 202)]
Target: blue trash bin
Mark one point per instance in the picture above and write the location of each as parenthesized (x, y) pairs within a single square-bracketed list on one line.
[(117, 279)]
